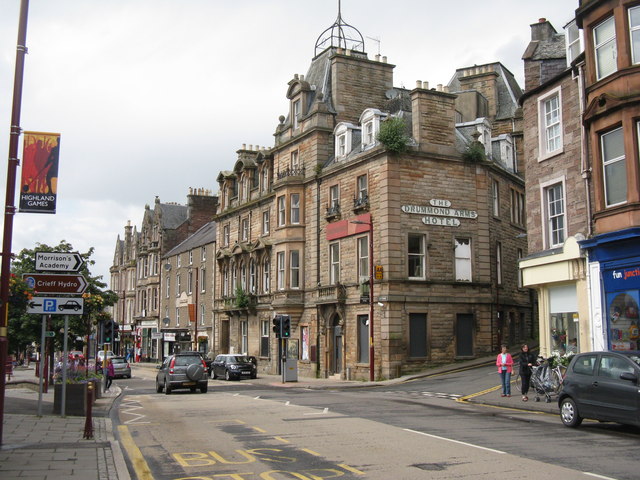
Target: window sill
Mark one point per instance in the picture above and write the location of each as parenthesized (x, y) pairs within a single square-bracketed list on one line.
[(550, 155)]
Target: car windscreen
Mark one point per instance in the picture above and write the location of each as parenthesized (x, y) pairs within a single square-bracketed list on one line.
[(634, 358), (238, 359), (183, 361)]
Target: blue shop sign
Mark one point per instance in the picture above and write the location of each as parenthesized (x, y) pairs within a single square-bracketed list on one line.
[(622, 278)]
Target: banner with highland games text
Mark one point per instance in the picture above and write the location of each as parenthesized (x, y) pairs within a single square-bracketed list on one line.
[(39, 181)]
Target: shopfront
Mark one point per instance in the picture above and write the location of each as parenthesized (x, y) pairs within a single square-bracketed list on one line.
[(618, 257)]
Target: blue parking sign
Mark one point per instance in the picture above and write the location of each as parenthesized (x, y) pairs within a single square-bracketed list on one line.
[(49, 305)]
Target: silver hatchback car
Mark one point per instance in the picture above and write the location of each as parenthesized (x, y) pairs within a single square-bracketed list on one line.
[(185, 370)]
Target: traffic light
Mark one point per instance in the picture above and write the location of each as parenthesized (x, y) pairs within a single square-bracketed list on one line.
[(277, 325), (286, 326), (107, 331), (116, 330)]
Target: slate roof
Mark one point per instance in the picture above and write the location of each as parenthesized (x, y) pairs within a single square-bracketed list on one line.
[(173, 215), (205, 235)]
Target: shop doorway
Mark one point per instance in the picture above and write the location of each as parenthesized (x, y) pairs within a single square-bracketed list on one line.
[(336, 350), (224, 337)]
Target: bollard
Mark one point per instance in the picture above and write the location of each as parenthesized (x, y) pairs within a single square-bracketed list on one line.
[(88, 424)]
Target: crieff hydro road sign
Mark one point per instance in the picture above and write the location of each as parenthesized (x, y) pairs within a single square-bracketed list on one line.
[(55, 305), (58, 262), (55, 283)]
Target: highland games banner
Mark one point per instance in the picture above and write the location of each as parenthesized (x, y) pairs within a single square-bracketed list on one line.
[(39, 181)]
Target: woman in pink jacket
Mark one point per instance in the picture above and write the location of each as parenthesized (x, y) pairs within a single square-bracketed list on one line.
[(505, 369)]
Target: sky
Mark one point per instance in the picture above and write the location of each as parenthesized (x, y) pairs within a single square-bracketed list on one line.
[(152, 97)]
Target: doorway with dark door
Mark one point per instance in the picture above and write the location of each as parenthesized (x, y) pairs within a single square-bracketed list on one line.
[(464, 335)]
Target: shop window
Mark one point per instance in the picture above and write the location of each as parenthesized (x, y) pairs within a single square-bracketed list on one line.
[(264, 338), (363, 338), (304, 343), (622, 308), (563, 321)]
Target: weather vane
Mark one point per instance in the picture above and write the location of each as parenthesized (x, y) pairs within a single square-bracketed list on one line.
[(340, 35)]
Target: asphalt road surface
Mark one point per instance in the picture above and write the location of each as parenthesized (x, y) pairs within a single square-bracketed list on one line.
[(417, 430)]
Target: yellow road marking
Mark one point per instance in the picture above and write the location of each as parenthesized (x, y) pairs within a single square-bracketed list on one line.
[(493, 389), (350, 469), (310, 451), (283, 440), (143, 472), (257, 429)]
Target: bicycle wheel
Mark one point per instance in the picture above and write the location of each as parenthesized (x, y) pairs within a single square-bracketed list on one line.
[(519, 383)]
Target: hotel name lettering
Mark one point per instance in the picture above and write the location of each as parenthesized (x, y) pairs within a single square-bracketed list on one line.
[(440, 213)]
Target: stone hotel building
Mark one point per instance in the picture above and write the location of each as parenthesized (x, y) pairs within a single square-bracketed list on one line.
[(303, 223)]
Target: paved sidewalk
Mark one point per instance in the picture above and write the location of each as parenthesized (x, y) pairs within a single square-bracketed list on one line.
[(51, 447)]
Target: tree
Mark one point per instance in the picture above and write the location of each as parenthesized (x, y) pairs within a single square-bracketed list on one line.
[(25, 328)]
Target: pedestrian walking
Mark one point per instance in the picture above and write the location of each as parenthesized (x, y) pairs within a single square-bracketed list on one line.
[(504, 363), (110, 373), (527, 360)]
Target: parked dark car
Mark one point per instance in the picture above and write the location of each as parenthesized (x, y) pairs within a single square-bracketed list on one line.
[(231, 366), (121, 367), (601, 386), (182, 370)]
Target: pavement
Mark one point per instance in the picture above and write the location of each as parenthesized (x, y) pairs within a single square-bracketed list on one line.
[(51, 447)]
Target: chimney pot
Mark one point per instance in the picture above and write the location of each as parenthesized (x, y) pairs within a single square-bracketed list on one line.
[(425, 85)]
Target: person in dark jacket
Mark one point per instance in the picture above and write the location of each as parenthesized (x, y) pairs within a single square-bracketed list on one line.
[(527, 360)]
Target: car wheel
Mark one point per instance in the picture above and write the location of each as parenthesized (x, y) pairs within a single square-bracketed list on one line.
[(254, 376), (204, 388), (214, 375), (158, 387), (193, 389), (227, 375), (167, 388), (569, 413)]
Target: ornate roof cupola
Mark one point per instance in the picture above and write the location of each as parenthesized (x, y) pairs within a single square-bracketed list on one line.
[(340, 35)]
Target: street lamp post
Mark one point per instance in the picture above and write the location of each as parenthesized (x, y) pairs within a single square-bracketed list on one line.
[(371, 347)]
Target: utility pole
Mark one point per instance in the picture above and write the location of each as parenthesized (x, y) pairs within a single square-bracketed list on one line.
[(10, 208)]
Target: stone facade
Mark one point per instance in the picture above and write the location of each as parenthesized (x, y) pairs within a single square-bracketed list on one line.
[(136, 275), (295, 218)]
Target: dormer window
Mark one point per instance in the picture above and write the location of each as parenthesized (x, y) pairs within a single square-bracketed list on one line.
[(370, 121), (296, 114), (344, 133), (503, 151)]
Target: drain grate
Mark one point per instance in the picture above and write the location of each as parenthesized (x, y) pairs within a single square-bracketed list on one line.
[(431, 466)]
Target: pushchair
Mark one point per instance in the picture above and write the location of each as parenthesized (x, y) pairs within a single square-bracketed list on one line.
[(542, 381)]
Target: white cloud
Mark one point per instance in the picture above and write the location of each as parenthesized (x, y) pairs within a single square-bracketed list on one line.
[(155, 96)]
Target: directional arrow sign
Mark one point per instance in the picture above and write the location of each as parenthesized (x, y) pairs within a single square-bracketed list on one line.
[(55, 305), (52, 283), (58, 261)]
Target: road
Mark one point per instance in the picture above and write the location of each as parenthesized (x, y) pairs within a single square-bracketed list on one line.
[(252, 430)]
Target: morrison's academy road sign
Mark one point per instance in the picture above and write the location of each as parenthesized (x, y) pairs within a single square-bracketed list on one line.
[(58, 261), (55, 283)]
